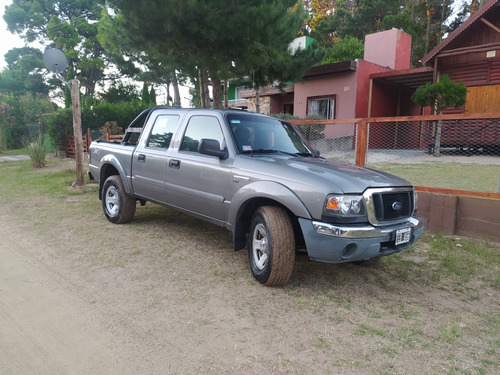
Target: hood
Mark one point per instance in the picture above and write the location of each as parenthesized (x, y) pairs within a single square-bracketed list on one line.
[(334, 176)]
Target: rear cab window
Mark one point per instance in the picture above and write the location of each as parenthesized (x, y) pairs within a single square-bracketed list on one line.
[(162, 131)]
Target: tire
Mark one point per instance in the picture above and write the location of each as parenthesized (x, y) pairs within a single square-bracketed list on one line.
[(271, 248), (368, 262), (118, 206)]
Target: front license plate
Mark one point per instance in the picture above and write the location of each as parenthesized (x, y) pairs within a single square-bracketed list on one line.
[(403, 236)]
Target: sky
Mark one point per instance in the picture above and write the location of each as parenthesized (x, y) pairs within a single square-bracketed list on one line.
[(7, 40)]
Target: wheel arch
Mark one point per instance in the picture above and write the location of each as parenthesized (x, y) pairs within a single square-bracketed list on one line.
[(253, 196), (110, 165)]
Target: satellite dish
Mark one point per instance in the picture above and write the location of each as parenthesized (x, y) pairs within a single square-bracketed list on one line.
[(55, 60)]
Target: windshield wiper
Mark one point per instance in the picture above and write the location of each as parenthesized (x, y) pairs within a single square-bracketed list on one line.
[(271, 151), (306, 154), (260, 151)]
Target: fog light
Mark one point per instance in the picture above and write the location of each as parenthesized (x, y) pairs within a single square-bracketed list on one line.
[(348, 251)]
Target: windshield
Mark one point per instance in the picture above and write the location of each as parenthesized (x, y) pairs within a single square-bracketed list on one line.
[(257, 133)]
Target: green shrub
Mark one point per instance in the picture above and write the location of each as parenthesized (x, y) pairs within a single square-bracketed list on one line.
[(58, 122), (37, 152), (95, 114)]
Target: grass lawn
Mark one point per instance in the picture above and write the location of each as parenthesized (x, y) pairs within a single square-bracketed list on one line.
[(475, 177), (431, 309)]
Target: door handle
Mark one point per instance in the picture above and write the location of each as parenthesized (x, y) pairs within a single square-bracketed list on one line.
[(141, 158), (174, 164)]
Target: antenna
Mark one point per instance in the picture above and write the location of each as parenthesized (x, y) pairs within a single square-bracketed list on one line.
[(55, 61)]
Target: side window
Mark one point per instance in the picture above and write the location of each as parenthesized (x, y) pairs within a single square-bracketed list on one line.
[(201, 127), (163, 129)]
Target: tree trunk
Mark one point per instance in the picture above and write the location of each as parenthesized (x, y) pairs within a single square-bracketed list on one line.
[(257, 100), (207, 91), (168, 94), (437, 140), (217, 92), (201, 84), (226, 100), (427, 30), (175, 86), (204, 92)]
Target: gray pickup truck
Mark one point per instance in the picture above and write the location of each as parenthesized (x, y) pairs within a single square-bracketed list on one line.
[(256, 176)]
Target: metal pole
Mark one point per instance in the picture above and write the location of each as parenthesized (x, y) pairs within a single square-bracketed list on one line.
[(77, 130)]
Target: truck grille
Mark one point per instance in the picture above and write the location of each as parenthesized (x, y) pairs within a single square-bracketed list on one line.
[(388, 206)]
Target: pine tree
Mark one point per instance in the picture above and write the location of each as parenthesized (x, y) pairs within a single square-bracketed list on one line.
[(152, 96), (145, 94), (223, 38)]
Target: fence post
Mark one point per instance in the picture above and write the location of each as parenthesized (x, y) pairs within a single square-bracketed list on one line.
[(361, 142), (88, 139), (77, 130), (498, 181), (65, 143)]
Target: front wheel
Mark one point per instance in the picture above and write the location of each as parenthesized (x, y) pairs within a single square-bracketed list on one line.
[(271, 249), (118, 206)]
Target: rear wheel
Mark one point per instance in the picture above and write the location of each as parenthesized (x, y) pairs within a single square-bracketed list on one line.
[(271, 249), (118, 206)]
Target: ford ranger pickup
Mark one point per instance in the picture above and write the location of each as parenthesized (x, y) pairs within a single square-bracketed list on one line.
[(256, 176)]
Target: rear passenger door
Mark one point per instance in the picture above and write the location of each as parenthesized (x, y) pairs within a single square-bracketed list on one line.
[(150, 159), (196, 182)]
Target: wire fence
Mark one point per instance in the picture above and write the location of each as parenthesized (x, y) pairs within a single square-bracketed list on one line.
[(460, 152)]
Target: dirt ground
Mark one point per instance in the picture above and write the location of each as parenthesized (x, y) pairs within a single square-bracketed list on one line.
[(166, 294)]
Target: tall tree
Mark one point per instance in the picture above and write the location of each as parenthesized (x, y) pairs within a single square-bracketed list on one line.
[(219, 37), (24, 73), (126, 57), (152, 96), (121, 93), (68, 25), (145, 94), (346, 48), (425, 20)]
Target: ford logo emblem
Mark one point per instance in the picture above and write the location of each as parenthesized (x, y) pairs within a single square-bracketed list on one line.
[(396, 206)]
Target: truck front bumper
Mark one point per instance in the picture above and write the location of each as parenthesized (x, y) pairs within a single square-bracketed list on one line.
[(337, 244)]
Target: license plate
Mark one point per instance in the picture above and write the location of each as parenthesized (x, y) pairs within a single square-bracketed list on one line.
[(403, 236)]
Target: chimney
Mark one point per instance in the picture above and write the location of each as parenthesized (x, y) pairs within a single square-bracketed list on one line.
[(390, 48)]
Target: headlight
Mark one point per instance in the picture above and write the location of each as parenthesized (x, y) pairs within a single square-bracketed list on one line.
[(345, 205)]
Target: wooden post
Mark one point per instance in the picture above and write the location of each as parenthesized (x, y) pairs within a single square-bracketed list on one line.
[(77, 130), (361, 143), (498, 183), (88, 139)]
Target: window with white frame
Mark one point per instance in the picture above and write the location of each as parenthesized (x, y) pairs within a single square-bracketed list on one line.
[(324, 107)]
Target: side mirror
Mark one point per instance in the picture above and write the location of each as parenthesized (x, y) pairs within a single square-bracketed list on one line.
[(211, 147)]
